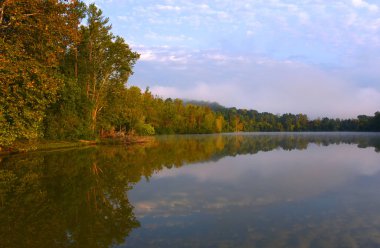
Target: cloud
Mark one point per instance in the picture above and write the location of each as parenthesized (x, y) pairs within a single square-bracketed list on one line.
[(148, 56), (250, 33), (317, 57), (163, 54), (124, 18), (364, 4), (168, 7), (167, 38), (254, 82), (207, 22), (200, 91)]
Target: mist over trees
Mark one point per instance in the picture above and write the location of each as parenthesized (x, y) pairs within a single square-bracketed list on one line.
[(64, 76)]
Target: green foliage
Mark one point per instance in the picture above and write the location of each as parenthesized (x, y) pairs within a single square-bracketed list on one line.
[(105, 63), (67, 119), (253, 121), (96, 70), (144, 129), (375, 122), (33, 38)]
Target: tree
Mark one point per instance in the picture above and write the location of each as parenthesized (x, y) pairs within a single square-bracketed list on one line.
[(34, 36), (105, 61), (219, 123), (375, 123), (133, 108)]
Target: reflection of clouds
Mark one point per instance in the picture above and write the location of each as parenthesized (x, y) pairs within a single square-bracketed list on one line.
[(145, 206), (179, 206), (253, 180), (368, 167), (279, 163)]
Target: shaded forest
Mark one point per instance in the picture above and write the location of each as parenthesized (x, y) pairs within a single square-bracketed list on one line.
[(64, 76)]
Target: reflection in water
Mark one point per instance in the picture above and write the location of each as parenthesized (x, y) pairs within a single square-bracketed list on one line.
[(321, 194), (64, 199)]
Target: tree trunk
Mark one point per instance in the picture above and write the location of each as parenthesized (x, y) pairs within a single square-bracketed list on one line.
[(76, 63), (93, 119), (2, 7)]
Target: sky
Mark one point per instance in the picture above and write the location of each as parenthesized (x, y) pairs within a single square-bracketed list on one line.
[(318, 57)]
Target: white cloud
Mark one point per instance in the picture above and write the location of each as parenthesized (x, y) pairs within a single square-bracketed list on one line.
[(364, 4), (167, 38), (148, 55), (249, 33), (222, 58), (203, 6), (200, 91), (335, 23), (124, 18), (167, 55), (163, 55), (168, 7)]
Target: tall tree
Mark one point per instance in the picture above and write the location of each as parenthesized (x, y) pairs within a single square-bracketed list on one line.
[(106, 61)]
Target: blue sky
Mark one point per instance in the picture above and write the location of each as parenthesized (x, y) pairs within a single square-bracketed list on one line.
[(318, 57)]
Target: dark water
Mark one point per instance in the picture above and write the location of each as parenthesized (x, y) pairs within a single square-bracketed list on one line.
[(243, 190)]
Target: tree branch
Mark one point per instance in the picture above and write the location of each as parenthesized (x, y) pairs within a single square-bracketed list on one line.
[(2, 7), (1, 14)]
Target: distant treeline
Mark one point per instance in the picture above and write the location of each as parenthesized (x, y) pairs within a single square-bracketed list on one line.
[(63, 76), (252, 120)]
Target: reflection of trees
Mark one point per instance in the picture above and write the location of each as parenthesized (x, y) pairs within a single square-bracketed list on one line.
[(78, 198), (61, 200), (187, 148)]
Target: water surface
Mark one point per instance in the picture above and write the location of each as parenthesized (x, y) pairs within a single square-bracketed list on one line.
[(231, 190)]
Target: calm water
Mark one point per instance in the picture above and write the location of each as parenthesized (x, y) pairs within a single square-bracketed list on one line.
[(233, 190)]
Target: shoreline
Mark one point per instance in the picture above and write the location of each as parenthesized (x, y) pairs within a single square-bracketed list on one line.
[(51, 145), (46, 145)]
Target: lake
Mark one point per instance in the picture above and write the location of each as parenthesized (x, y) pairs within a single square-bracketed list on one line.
[(227, 190)]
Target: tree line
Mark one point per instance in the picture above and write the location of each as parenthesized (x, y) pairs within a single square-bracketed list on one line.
[(63, 76), (254, 121)]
